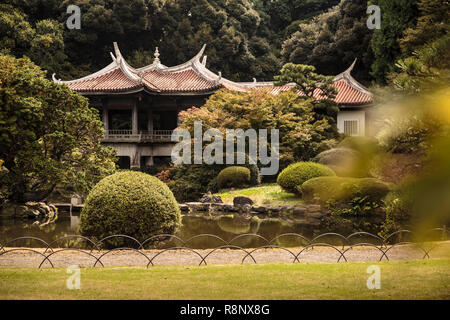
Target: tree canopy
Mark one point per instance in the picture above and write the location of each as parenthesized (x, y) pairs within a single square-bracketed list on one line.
[(48, 135), (302, 136), (245, 39)]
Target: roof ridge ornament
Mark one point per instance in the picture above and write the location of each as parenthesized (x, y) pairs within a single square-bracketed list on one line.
[(116, 50), (141, 76), (347, 77), (347, 73), (114, 58), (58, 81), (200, 53), (156, 54), (126, 71), (349, 70)]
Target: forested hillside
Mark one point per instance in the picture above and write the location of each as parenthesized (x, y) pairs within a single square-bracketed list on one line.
[(244, 38)]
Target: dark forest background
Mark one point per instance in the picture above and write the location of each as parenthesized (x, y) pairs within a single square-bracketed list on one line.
[(245, 39)]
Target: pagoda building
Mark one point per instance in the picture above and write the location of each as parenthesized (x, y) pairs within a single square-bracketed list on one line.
[(139, 106)]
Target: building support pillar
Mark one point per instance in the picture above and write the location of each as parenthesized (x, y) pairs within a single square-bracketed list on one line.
[(105, 119), (134, 120), (150, 121)]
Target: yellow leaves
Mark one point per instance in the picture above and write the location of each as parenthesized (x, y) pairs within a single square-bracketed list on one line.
[(440, 101), (76, 154)]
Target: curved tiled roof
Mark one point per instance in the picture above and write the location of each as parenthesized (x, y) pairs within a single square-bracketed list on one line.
[(348, 95), (183, 81), (349, 91), (114, 80), (192, 77)]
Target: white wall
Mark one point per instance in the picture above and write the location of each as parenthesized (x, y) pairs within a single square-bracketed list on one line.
[(357, 115)]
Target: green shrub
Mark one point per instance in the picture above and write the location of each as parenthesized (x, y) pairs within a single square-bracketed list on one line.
[(190, 182), (343, 190), (130, 203), (297, 173), (400, 204), (233, 177)]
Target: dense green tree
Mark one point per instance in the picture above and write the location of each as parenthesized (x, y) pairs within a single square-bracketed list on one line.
[(229, 28), (427, 46), (433, 23), (332, 40), (284, 15), (396, 17), (48, 134), (427, 69), (308, 83), (302, 136), (306, 80), (42, 40)]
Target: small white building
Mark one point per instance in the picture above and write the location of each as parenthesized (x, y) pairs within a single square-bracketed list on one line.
[(352, 98)]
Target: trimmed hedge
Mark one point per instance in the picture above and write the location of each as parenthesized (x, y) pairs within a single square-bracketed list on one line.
[(131, 203), (190, 182), (340, 189), (297, 173), (233, 177)]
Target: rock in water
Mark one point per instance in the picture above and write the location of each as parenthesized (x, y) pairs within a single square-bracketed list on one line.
[(240, 201)]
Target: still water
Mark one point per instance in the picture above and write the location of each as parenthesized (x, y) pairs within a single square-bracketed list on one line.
[(226, 227)]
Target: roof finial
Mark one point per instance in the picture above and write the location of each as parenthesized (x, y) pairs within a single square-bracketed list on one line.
[(156, 60), (349, 70), (116, 50), (58, 81)]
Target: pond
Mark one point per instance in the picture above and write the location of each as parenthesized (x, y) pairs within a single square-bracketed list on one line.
[(226, 227)]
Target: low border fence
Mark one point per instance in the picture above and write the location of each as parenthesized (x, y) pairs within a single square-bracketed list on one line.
[(383, 244)]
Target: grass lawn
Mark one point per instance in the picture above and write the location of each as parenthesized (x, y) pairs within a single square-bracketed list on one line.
[(415, 279), (265, 194)]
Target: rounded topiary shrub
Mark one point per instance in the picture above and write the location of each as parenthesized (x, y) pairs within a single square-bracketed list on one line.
[(297, 173), (342, 190), (233, 177), (130, 203)]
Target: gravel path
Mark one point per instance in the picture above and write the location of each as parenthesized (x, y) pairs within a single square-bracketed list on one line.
[(21, 257)]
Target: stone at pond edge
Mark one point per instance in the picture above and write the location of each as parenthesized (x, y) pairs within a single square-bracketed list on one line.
[(241, 200), (246, 208), (31, 209), (299, 212), (259, 209), (209, 198), (316, 215), (313, 208), (184, 207), (198, 206)]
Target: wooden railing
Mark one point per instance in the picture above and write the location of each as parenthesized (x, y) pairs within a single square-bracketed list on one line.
[(142, 136)]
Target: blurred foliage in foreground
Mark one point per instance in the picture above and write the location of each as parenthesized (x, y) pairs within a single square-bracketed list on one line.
[(424, 121)]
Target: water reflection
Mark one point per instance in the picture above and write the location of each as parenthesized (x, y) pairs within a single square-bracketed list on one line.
[(226, 227)]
